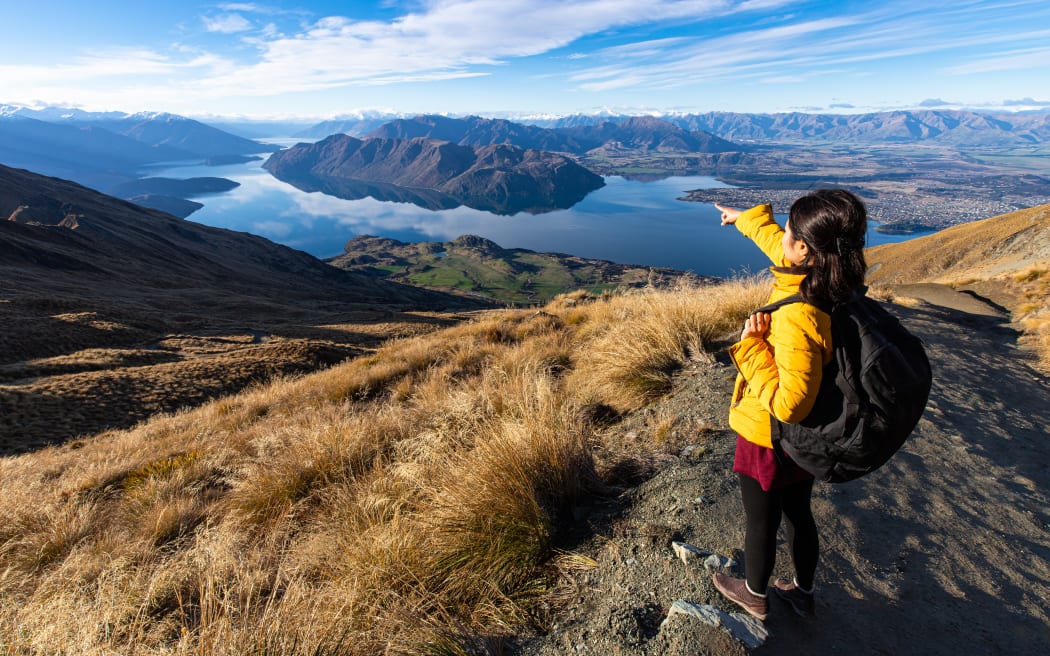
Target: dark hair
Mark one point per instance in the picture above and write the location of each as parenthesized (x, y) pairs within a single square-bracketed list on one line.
[(833, 223)]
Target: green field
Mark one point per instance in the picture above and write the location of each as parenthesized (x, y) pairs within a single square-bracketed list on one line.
[(510, 276)]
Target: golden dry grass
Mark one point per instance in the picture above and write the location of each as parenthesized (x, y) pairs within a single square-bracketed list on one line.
[(1032, 311), (65, 374), (1006, 258), (402, 502)]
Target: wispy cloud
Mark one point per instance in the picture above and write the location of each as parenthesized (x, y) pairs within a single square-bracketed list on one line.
[(255, 49), (767, 52), (452, 39), (1010, 60), (1025, 102), (227, 23), (122, 62), (793, 50)]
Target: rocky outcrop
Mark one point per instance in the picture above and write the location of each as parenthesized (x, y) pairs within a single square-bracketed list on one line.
[(497, 178)]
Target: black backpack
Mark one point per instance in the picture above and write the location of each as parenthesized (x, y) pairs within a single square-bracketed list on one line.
[(872, 393)]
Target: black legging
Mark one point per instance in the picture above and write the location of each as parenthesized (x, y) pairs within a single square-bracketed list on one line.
[(763, 510)]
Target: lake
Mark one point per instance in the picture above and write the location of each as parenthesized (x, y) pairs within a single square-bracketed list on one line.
[(626, 221)]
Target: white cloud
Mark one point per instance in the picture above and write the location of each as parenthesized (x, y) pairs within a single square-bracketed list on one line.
[(104, 64), (794, 49), (769, 52), (1022, 59), (752, 5), (227, 23), (444, 40)]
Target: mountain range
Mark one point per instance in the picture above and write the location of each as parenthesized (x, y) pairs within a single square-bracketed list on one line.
[(640, 134), (499, 178), (936, 127), (958, 128), (184, 136), (108, 150), (101, 150)]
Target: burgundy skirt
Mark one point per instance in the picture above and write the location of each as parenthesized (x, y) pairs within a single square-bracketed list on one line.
[(772, 469)]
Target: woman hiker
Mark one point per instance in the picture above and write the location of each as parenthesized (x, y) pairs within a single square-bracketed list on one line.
[(780, 358)]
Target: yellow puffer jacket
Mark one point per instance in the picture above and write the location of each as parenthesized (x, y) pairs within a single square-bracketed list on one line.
[(779, 375)]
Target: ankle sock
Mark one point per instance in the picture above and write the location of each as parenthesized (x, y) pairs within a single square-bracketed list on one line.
[(746, 585)]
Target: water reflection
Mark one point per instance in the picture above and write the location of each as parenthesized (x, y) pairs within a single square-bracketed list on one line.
[(626, 221), (348, 189), (496, 192)]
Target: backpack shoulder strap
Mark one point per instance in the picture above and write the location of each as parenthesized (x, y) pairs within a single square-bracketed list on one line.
[(825, 307), (776, 305)]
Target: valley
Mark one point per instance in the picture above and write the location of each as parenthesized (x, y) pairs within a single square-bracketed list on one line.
[(922, 170), (113, 313), (917, 187), (116, 313), (919, 169)]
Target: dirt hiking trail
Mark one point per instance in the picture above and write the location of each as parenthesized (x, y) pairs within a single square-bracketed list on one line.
[(945, 550)]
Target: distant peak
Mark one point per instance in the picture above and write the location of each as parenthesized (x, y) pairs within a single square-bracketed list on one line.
[(157, 116)]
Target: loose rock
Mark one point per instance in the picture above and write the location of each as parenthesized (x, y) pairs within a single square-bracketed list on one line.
[(743, 628)]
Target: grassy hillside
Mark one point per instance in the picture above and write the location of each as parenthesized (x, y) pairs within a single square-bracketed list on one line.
[(112, 312), (480, 267), (403, 502), (1005, 259)]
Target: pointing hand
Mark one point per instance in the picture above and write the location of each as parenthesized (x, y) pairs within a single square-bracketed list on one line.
[(728, 214)]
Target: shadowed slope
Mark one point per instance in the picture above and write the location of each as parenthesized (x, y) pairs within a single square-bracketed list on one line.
[(113, 312)]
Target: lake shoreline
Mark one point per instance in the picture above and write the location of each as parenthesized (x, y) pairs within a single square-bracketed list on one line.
[(627, 221)]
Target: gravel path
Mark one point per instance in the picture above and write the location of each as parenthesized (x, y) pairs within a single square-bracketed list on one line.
[(945, 550)]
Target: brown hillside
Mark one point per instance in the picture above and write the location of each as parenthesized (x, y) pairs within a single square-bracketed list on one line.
[(54, 228), (995, 267), (983, 249), (112, 312)]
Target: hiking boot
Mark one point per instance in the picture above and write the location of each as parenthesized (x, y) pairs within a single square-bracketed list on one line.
[(736, 591), (801, 602)]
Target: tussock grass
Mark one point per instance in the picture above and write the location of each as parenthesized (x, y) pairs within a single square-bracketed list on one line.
[(639, 341), (1033, 311), (404, 502)]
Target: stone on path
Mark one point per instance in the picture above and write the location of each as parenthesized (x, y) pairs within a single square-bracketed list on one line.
[(687, 553), (742, 627)]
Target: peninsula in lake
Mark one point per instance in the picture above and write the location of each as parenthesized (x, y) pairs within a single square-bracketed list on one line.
[(497, 178)]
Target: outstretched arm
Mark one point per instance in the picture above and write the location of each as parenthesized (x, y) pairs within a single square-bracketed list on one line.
[(758, 225)]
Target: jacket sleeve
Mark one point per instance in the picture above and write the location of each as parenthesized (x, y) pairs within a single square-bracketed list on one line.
[(758, 225), (784, 373)]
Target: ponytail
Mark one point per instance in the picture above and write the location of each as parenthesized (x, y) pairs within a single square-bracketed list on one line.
[(833, 223)]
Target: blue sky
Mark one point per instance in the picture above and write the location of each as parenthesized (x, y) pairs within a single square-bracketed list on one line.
[(317, 59)]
